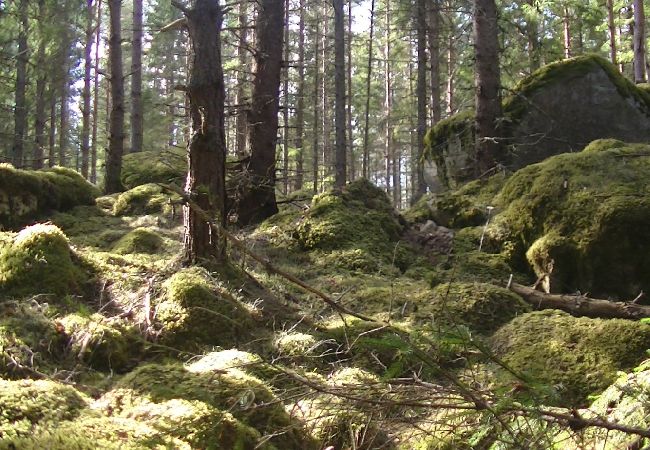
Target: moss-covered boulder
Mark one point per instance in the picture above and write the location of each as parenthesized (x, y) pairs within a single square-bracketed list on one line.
[(39, 261), (146, 199), (578, 356), (560, 108), (196, 310), (169, 166), (582, 219), (26, 194), (140, 240)]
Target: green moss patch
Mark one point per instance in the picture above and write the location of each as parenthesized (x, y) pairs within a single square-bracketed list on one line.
[(140, 240), (39, 260), (146, 199), (579, 356), (165, 167)]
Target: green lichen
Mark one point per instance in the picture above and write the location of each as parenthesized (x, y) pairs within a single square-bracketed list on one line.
[(169, 166), (39, 260), (578, 356), (145, 199), (140, 240)]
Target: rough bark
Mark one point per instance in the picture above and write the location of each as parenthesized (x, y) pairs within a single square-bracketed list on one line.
[(421, 95), (579, 305), (300, 103), (285, 109), (639, 42), (41, 100), (388, 135), (352, 160), (116, 129), (93, 149), (339, 88), (207, 149), (316, 140), (366, 128), (433, 38), (566, 21), (241, 123), (85, 110), (20, 110), (137, 132), (258, 199), (487, 85), (612, 32), (64, 79)]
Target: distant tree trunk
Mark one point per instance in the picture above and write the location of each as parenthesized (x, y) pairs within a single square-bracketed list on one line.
[(451, 65), (258, 200), (285, 110), (51, 155), (487, 81), (639, 42), (612, 31), (300, 103), (20, 111), (85, 110), (339, 88), (207, 148), (315, 143), (41, 84), (64, 117), (421, 95), (326, 105), (532, 35), (433, 34), (137, 132), (93, 149), (388, 130), (116, 130), (566, 21), (352, 161), (241, 123), (366, 128)]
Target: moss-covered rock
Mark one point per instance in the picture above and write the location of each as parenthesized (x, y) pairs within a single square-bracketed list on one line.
[(169, 166), (140, 240), (195, 311), (39, 260), (26, 195), (146, 199), (579, 356)]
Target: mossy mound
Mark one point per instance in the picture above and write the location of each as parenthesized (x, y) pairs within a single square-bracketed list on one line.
[(91, 226), (481, 307), (27, 404), (101, 344), (583, 217), (169, 166), (146, 199), (26, 195), (195, 311), (140, 240), (39, 260), (579, 356), (151, 388)]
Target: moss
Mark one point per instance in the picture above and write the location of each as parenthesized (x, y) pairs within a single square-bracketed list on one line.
[(91, 226), (39, 260), (553, 249), (196, 311), (592, 203), (580, 356), (101, 344), (140, 240), (169, 166), (421, 211), (145, 199), (294, 343), (26, 404)]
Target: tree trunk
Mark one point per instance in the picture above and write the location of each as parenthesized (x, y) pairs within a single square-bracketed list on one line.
[(207, 149), (315, 143), (41, 84), (339, 88), (20, 111), (366, 128), (421, 95), (566, 20), (136, 80), (93, 149), (52, 130), (388, 130), (326, 155), (352, 161), (639, 42), (451, 65), (285, 110), (532, 35), (433, 34), (116, 130), (85, 110), (612, 32), (258, 200), (64, 117), (487, 82), (241, 123), (300, 103)]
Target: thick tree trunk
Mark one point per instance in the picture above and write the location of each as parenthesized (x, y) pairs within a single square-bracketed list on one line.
[(300, 103), (639, 42), (85, 110), (339, 88), (421, 95), (612, 32), (207, 149), (579, 305), (258, 200), (366, 128), (41, 84), (487, 84), (241, 123), (20, 110), (116, 130), (93, 149), (137, 121)]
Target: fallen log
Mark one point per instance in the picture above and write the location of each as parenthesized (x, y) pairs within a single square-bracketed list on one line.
[(580, 305)]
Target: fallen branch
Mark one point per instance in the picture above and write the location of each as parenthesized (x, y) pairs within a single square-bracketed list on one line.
[(579, 305)]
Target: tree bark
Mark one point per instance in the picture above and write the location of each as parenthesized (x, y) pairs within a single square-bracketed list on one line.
[(207, 149), (285, 110), (433, 35), (137, 121), (567, 33), (241, 123), (487, 84), (316, 141), (51, 155), (612, 32), (41, 84), (388, 135), (20, 110), (421, 95), (352, 160), (366, 128), (93, 149), (116, 130), (64, 117), (258, 199), (300, 103), (339, 81), (85, 110), (639, 42)]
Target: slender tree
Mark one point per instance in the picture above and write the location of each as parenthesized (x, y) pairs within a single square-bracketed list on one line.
[(421, 94), (300, 102), (113, 182), (339, 80), (639, 42), (137, 123), (611, 26), (95, 122), (241, 123), (352, 165), (20, 110), (64, 80), (366, 128), (316, 110), (85, 110), (41, 85)]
